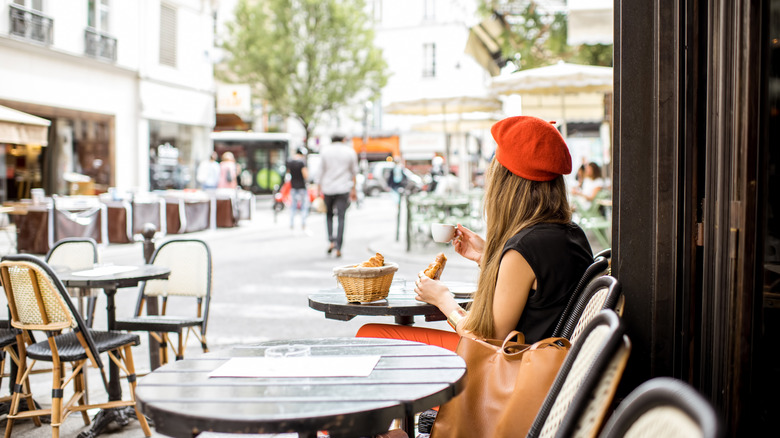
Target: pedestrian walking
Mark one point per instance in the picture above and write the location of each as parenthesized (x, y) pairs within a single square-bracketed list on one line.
[(208, 173), (228, 175), (299, 196), (339, 168)]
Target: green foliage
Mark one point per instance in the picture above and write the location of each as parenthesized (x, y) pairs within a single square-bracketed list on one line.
[(535, 38), (304, 57)]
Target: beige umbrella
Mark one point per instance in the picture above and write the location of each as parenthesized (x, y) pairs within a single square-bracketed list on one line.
[(443, 106), (558, 79), (17, 127)]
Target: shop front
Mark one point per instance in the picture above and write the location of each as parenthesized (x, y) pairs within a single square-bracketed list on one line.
[(695, 224)]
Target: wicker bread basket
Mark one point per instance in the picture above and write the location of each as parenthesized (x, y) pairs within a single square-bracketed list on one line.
[(364, 285)]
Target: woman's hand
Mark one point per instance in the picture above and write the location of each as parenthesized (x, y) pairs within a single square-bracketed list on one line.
[(468, 244), (433, 292)]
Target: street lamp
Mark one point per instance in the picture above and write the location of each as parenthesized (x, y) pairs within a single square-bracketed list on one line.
[(367, 107)]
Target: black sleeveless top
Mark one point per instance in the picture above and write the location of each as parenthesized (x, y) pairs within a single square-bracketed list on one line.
[(559, 254), (295, 167)]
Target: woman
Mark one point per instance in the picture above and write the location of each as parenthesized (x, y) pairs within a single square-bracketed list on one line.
[(591, 185), (533, 255), (228, 175)]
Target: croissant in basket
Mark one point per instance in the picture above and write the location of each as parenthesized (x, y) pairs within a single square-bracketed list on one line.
[(376, 261), (435, 269)]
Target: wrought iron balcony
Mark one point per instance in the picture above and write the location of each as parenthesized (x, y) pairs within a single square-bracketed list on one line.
[(30, 25), (99, 44)]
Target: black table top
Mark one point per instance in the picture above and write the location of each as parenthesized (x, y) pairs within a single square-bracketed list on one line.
[(183, 400), (127, 278), (400, 302)]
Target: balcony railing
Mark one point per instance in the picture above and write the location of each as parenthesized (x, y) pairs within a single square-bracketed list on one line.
[(31, 25), (99, 45)]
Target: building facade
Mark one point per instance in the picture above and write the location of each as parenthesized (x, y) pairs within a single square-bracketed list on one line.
[(128, 87)]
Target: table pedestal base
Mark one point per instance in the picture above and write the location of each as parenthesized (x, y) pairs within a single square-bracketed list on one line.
[(121, 416)]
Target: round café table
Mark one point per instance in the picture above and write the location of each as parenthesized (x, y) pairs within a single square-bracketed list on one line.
[(110, 279), (400, 304), (183, 398)]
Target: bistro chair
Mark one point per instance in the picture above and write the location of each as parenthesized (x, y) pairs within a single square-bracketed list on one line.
[(583, 390), (77, 253), (598, 267), (190, 263), (602, 293), (663, 407), (38, 301)]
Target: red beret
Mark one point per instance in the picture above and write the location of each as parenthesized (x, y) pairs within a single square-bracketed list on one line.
[(531, 148)]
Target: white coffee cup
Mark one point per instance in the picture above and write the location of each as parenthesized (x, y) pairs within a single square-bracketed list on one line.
[(442, 232)]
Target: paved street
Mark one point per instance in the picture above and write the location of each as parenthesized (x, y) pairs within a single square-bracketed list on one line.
[(263, 273)]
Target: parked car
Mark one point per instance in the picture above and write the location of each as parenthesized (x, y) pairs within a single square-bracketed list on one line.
[(379, 173)]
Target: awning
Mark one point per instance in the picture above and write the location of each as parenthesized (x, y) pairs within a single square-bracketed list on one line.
[(590, 22), (484, 44), (17, 127)]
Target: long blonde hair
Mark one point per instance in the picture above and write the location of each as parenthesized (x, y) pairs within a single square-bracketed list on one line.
[(511, 204)]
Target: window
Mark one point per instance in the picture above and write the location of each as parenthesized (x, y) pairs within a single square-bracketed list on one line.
[(97, 18), (29, 23), (168, 35), (376, 10), (429, 60), (429, 10)]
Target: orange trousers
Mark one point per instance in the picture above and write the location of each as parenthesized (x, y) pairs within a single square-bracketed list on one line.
[(439, 338)]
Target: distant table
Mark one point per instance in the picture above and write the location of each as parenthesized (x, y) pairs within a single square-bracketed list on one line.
[(410, 377), (110, 283), (400, 304)]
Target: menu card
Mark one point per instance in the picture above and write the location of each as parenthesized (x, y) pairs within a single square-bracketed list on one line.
[(308, 366)]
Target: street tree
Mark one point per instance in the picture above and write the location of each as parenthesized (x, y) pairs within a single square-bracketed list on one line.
[(536, 35), (305, 57)]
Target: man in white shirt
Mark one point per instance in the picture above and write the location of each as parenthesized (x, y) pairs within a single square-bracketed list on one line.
[(338, 169)]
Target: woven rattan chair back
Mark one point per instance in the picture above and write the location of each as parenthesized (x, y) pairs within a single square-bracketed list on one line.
[(580, 375), (664, 407), (73, 252), (33, 299), (602, 293), (598, 267), (37, 300), (77, 253), (190, 263)]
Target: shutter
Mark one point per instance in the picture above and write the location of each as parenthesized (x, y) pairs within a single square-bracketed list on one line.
[(168, 35)]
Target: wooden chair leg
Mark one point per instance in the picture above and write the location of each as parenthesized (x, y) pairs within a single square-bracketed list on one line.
[(131, 380), (80, 385)]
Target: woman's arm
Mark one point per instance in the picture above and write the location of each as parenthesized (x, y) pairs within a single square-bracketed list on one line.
[(514, 284)]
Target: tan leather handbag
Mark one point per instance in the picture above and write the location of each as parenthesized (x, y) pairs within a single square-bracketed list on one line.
[(506, 383)]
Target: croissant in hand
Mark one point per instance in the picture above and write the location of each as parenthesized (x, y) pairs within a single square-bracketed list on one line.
[(435, 269)]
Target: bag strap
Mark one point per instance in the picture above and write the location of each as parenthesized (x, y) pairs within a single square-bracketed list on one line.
[(552, 342), (512, 334)]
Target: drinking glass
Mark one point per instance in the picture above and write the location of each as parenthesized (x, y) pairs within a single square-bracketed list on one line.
[(288, 351)]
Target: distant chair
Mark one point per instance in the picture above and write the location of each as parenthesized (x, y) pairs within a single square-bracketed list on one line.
[(592, 217), (586, 383), (77, 253), (37, 300), (663, 407), (602, 293), (599, 266), (191, 278)]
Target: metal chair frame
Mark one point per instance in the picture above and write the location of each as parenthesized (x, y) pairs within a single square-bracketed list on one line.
[(586, 382), (38, 301), (161, 325), (674, 396)]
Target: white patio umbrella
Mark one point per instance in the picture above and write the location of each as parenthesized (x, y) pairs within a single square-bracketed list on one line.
[(558, 79), (443, 106)]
